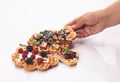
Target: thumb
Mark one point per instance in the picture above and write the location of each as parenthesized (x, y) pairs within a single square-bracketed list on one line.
[(78, 24)]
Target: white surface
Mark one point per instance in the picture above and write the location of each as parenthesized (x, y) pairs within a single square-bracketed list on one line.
[(99, 54)]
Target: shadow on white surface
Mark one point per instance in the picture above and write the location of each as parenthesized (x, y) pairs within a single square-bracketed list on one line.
[(103, 60)]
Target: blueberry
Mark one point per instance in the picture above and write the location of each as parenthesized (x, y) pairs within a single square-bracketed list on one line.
[(67, 57), (73, 56), (29, 48), (29, 61), (69, 54), (43, 53), (64, 36)]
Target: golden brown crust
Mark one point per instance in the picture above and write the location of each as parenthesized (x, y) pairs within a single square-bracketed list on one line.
[(72, 35), (69, 62), (58, 45), (60, 40), (30, 67), (53, 61)]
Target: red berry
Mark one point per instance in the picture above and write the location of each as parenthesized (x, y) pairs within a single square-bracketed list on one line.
[(24, 56), (35, 51), (20, 50), (25, 52), (32, 57), (57, 33), (50, 40), (39, 60)]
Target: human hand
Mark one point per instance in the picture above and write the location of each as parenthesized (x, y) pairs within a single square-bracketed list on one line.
[(89, 23), (94, 22)]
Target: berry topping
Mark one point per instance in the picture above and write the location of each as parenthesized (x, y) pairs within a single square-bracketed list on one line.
[(50, 40), (57, 33), (41, 35), (29, 48), (24, 56), (70, 55), (32, 57), (20, 50), (39, 60), (73, 56), (29, 61), (35, 41), (25, 52), (35, 51), (43, 54), (64, 36), (67, 57)]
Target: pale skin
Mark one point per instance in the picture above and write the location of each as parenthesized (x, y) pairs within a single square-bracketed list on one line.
[(94, 22)]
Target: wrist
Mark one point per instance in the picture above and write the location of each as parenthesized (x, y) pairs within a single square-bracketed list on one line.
[(112, 14)]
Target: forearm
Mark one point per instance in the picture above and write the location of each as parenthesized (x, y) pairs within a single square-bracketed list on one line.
[(113, 14)]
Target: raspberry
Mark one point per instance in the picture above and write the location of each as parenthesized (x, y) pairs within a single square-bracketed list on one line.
[(24, 56), (29, 48), (35, 51), (25, 52), (20, 50), (50, 39), (57, 33), (39, 60), (32, 57)]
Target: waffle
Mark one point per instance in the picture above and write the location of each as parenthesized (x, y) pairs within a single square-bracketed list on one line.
[(53, 41), (46, 63), (68, 58), (45, 49)]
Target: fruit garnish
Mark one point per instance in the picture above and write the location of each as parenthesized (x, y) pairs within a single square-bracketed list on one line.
[(34, 41), (20, 50), (50, 39), (22, 44), (24, 56), (41, 35), (32, 57), (43, 53), (25, 52), (35, 51), (39, 60), (57, 33), (29, 48), (66, 51), (29, 61)]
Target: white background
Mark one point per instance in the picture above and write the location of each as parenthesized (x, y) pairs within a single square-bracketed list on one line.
[(99, 54)]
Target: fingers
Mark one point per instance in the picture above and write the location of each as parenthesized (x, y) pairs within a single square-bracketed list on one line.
[(84, 32), (72, 22), (79, 24)]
